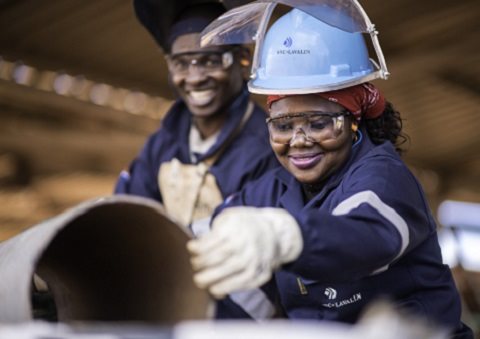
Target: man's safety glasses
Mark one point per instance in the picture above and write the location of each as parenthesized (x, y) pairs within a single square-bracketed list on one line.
[(316, 126), (206, 61)]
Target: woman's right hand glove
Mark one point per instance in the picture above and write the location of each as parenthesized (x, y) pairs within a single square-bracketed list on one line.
[(245, 246)]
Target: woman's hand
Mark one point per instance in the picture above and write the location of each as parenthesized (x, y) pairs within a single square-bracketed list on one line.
[(245, 246)]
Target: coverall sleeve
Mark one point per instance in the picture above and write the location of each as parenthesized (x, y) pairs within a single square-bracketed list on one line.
[(141, 177), (378, 214)]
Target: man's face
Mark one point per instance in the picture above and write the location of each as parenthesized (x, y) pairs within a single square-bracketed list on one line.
[(207, 79)]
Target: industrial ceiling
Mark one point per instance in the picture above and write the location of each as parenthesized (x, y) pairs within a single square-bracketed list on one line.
[(431, 47)]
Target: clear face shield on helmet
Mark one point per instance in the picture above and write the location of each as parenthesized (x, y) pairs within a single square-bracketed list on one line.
[(323, 47)]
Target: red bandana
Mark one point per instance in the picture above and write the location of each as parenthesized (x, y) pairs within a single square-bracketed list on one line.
[(364, 100)]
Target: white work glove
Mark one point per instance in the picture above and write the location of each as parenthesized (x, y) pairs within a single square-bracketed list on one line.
[(245, 246)]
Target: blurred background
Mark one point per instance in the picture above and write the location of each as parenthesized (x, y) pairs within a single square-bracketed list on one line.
[(82, 84)]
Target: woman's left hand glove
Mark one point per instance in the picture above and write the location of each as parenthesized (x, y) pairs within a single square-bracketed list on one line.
[(245, 246)]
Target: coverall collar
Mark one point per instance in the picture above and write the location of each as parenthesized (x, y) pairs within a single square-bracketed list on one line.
[(179, 120), (293, 198)]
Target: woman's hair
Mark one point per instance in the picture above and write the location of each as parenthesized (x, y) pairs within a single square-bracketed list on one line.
[(387, 127)]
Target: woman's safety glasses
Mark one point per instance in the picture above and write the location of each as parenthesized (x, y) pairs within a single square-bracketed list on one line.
[(316, 126), (207, 61)]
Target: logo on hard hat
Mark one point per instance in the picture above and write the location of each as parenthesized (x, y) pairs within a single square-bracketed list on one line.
[(288, 42)]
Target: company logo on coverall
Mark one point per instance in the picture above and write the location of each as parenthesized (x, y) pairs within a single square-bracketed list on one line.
[(331, 294), (288, 42)]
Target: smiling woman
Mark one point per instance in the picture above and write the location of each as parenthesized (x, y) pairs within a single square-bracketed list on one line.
[(321, 147), (343, 222)]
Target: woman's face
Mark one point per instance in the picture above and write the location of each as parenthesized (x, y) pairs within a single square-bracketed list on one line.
[(311, 158)]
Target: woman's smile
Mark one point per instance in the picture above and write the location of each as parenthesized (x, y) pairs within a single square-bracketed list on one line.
[(305, 160), (309, 160)]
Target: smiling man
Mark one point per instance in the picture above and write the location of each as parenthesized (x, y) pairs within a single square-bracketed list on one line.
[(343, 223), (212, 141), (208, 80)]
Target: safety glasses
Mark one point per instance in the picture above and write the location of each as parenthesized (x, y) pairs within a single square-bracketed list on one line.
[(315, 126), (179, 64)]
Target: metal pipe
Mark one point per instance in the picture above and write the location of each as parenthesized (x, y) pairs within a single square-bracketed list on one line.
[(117, 258)]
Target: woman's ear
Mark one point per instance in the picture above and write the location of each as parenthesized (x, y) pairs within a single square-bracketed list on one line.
[(354, 126), (354, 130)]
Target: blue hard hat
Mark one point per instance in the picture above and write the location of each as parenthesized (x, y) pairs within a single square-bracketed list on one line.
[(301, 54)]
